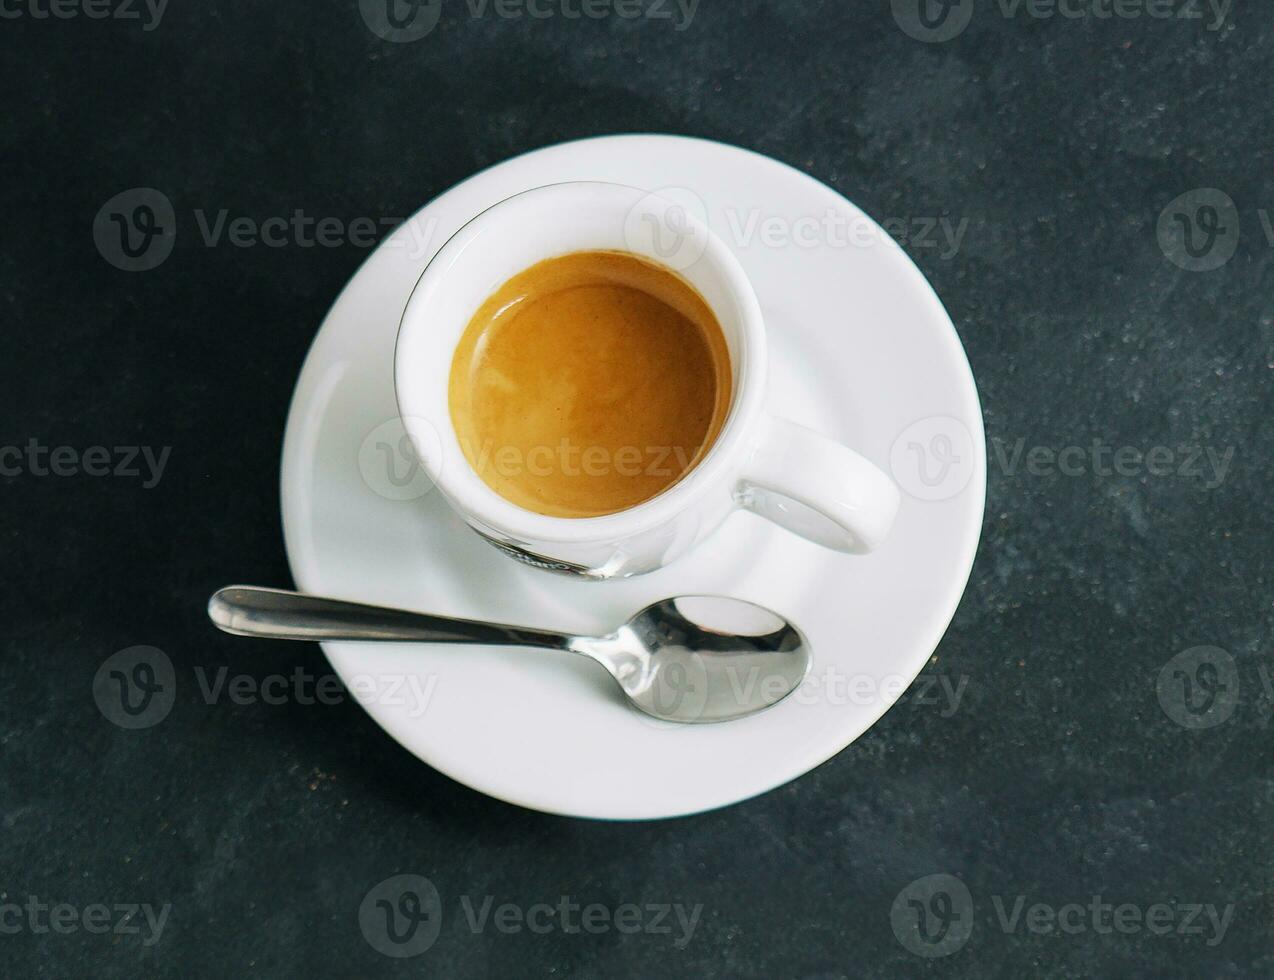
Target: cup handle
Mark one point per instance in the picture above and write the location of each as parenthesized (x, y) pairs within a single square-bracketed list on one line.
[(815, 487)]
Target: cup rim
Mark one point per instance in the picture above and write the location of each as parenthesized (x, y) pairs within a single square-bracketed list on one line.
[(438, 448)]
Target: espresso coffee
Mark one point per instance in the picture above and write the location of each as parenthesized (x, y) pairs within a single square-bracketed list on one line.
[(589, 383)]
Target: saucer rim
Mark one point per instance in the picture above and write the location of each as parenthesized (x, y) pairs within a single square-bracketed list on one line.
[(304, 567)]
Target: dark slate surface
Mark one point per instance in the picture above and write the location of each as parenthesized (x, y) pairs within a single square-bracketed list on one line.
[(1062, 775)]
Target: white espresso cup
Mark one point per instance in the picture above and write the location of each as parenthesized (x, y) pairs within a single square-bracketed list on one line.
[(802, 481)]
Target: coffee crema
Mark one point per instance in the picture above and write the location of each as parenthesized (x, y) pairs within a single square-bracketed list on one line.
[(589, 383)]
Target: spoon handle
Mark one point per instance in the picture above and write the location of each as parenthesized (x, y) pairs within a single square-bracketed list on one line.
[(247, 610)]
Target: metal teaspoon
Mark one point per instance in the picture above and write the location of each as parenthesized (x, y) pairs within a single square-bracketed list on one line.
[(687, 659)]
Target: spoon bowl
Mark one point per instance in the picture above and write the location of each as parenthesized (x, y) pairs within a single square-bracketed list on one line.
[(704, 658)]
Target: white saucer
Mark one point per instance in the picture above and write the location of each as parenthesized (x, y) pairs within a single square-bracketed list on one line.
[(861, 349)]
